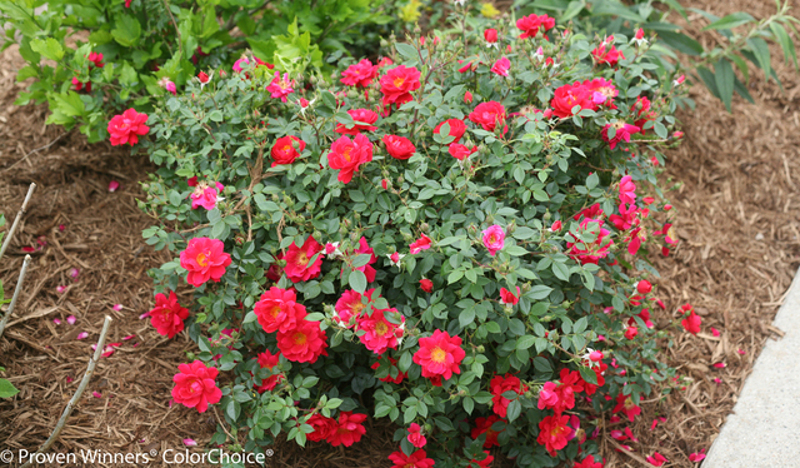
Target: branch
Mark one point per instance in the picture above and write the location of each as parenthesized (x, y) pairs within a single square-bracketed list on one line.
[(17, 290), (16, 220), (71, 405)]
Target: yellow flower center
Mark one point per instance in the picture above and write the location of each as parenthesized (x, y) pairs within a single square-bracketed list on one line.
[(275, 311), (300, 338), (629, 403), (202, 259), (492, 239), (286, 148), (438, 355), (357, 308), (346, 153), (381, 328), (398, 82), (302, 258)]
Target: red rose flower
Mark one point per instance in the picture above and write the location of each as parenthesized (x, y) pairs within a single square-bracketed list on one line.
[(631, 332), (415, 436), (346, 155), (397, 85), (350, 305), (588, 462), (96, 59), (360, 74), (440, 355), (426, 285), (500, 385), (267, 360), (692, 322), (399, 147), (507, 297), (359, 115), (423, 243), (553, 433), (168, 316), (490, 35), (531, 25), (417, 459), (195, 386), (278, 310), (487, 460), (127, 128), (460, 151), (285, 150), (323, 427), (568, 96), (204, 259), (626, 405), (380, 334), (457, 128), (644, 287), (484, 426), (348, 430), (488, 115), (297, 260), (607, 54), (304, 343)]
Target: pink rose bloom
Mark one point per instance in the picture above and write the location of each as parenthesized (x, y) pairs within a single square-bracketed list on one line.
[(548, 398), (280, 88), (207, 198), (423, 243), (494, 239), (204, 259), (415, 436), (627, 190), (237, 66), (623, 132), (501, 66), (196, 386)]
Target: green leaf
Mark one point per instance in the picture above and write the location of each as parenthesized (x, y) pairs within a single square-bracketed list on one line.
[(731, 21), (588, 375), (514, 410), (49, 47), (760, 49), (358, 281), (7, 389), (407, 50), (466, 317), (128, 30), (785, 41), (724, 80), (709, 79), (250, 317), (525, 342), (741, 90), (681, 42)]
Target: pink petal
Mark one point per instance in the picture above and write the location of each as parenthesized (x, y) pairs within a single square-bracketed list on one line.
[(57, 321), (113, 186), (714, 331), (27, 249), (71, 320), (61, 289), (696, 457), (741, 351), (94, 347), (117, 307), (720, 365), (62, 227), (717, 380), (109, 352), (81, 335), (69, 379), (129, 337), (653, 426), (136, 344), (189, 442), (144, 315), (97, 394), (74, 273)]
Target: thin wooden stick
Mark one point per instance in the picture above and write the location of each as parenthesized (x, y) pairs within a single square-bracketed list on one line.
[(71, 405), (16, 220), (14, 298)]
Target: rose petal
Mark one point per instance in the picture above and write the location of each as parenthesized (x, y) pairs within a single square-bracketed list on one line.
[(720, 365), (714, 331), (27, 249), (129, 337), (97, 394), (113, 186), (61, 289), (69, 379), (57, 321), (741, 351), (74, 273), (71, 320), (82, 335), (117, 307), (144, 315), (62, 227), (189, 442)]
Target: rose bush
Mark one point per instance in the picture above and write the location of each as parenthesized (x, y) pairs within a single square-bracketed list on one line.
[(457, 247)]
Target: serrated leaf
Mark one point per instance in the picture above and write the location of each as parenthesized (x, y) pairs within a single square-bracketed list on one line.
[(723, 77)]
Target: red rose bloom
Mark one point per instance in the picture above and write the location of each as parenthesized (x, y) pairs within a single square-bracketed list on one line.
[(285, 150), (423, 243), (348, 430), (360, 74), (460, 151), (507, 297), (304, 343), (323, 427), (626, 405), (488, 115), (380, 334), (96, 59), (397, 85), (204, 259), (588, 462), (195, 386), (350, 305), (426, 285), (346, 155), (607, 54), (457, 128), (553, 433), (415, 436), (297, 260), (168, 316), (531, 25), (692, 322), (399, 147), (490, 35), (644, 287), (484, 425), (359, 115), (568, 96), (487, 460), (500, 385), (417, 459), (277, 310), (267, 360), (440, 355), (127, 128)]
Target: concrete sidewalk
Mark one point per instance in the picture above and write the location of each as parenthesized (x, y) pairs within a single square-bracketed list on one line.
[(764, 429)]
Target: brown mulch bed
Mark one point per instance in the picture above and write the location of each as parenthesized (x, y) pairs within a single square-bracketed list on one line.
[(736, 215)]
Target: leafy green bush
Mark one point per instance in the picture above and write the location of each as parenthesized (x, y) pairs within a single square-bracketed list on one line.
[(141, 42), (455, 237)]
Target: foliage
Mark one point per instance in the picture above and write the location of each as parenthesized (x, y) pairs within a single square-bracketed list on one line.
[(143, 42), (547, 183)]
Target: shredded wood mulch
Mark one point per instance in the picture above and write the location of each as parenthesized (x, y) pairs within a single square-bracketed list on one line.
[(737, 216)]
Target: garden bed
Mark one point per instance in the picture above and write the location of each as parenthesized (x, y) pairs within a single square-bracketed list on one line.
[(740, 245)]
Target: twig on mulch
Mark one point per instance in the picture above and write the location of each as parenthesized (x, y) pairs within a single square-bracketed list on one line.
[(17, 290), (16, 220), (37, 150), (84, 382)]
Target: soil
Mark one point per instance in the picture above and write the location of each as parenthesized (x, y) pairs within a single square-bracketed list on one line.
[(736, 214)]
